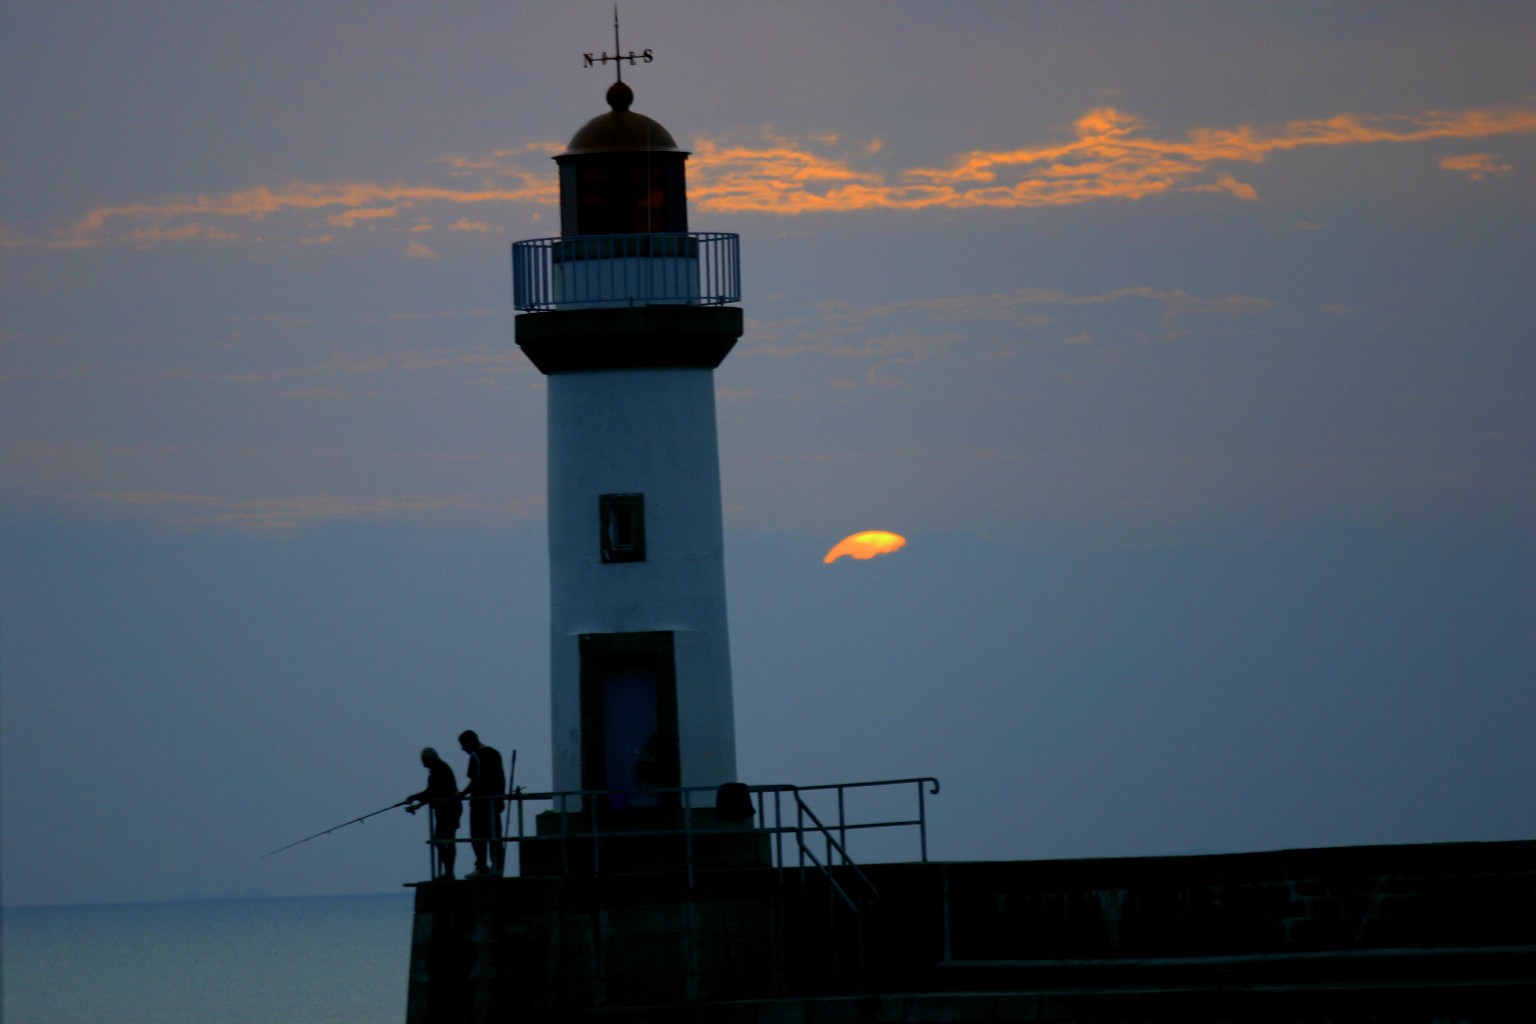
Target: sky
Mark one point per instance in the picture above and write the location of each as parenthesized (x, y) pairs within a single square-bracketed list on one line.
[(1189, 345)]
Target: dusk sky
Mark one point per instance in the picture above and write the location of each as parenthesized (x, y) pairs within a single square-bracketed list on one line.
[(1189, 345)]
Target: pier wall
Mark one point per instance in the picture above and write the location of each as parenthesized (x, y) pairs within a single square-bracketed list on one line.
[(1428, 933)]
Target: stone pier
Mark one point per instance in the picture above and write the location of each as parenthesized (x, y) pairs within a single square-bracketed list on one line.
[(1427, 933)]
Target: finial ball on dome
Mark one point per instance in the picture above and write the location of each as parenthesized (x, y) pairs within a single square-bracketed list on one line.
[(620, 96), (621, 130)]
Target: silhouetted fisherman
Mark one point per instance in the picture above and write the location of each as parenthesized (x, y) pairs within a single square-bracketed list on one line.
[(487, 786), (442, 797)]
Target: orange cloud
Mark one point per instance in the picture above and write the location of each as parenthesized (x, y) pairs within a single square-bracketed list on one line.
[(1112, 156), (1107, 154), (495, 163), (1477, 166), (159, 233), (866, 545), (351, 217), (353, 202)]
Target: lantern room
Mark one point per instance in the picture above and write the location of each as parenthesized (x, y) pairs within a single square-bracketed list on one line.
[(622, 174)]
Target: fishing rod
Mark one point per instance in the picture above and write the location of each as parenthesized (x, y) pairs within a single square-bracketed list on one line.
[(333, 828)]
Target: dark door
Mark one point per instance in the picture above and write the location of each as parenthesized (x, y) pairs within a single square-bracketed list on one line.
[(629, 718)]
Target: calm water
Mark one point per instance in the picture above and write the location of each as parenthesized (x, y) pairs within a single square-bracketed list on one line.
[(325, 960)]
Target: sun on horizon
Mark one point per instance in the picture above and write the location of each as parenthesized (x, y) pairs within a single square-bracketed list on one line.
[(866, 545)]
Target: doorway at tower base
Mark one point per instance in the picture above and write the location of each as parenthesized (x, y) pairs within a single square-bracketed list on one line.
[(629, 741)]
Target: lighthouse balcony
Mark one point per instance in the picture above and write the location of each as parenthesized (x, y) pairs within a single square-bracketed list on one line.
[(613, 271)]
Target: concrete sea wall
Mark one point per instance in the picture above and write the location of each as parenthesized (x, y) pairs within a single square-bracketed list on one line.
[(1429, 933)]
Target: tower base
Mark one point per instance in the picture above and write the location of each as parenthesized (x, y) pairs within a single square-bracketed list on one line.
[(646, 840)]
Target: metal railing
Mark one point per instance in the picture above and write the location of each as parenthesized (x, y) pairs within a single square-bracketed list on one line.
[(922, 786), (783, 813), (592, 271)]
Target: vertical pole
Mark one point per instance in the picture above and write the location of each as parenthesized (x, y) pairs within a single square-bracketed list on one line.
[(432, 855), (842, 828), (688, 834), (922, 821)]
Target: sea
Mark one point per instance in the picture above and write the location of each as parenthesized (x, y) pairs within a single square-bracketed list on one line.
[(309, 960)]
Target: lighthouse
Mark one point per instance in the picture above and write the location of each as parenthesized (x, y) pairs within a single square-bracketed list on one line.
[(627, 314)]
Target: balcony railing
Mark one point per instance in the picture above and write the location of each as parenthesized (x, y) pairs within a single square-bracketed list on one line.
[(595, 271)]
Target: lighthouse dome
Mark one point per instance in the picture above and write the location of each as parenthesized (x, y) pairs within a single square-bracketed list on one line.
[(621, 129)]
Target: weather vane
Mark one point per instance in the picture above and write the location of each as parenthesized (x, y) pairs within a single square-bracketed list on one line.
[(619, 56)]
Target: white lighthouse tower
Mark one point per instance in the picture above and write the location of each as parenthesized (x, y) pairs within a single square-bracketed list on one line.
[(626, 315)]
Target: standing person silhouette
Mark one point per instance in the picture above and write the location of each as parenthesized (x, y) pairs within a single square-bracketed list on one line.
[(487, 785), (442, 799)]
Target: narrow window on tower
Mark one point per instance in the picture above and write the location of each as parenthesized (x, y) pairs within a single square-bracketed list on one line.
[(621, 522)]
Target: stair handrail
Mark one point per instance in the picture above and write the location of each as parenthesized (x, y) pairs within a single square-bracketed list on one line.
[(803, 811)]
